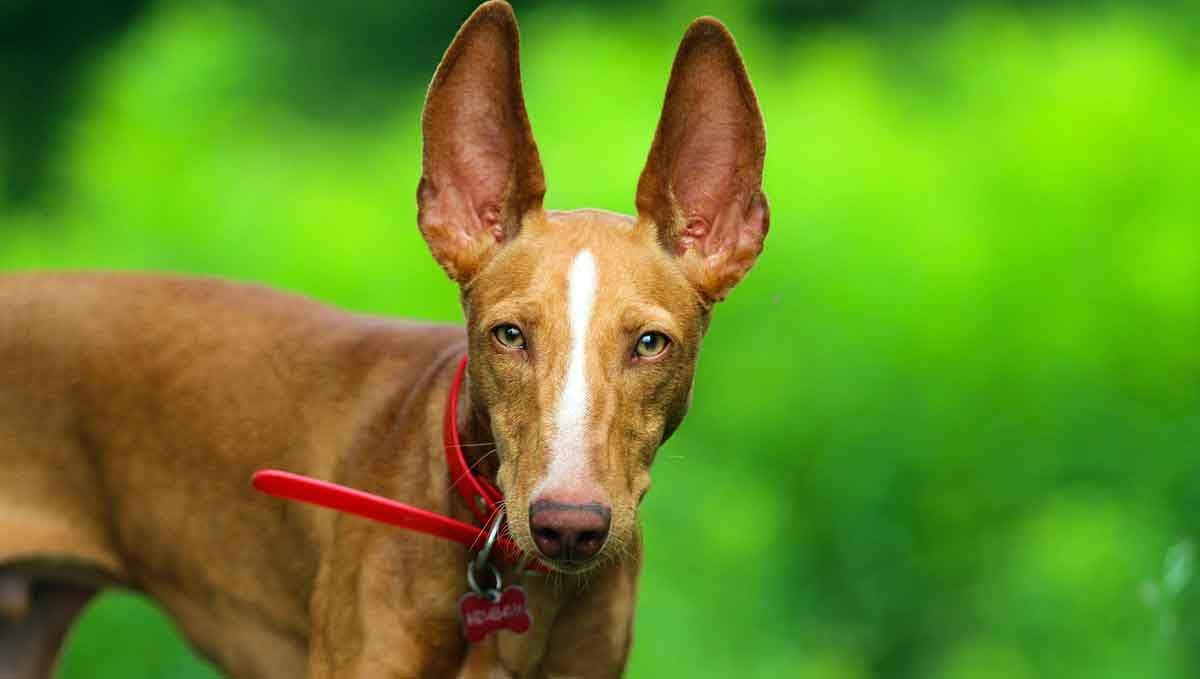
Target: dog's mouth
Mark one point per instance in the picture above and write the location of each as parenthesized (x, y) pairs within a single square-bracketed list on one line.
[(575, 565), (572, 566)]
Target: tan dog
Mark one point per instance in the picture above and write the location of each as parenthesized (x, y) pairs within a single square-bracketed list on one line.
[(134, 409)]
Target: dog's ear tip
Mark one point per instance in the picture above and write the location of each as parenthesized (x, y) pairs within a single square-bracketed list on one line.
[(708, 38), (708, 29), (708, 25), (492, 25), (495, 6), (497, 11)]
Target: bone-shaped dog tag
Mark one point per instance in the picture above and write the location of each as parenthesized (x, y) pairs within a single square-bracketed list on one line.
[(481, 616)]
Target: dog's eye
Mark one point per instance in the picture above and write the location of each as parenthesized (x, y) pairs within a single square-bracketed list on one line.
[(509, 336), (651, 344)]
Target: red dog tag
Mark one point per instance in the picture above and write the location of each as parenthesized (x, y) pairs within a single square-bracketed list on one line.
[(482, 616)]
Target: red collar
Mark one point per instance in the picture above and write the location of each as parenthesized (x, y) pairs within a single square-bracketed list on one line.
[(481, 496)]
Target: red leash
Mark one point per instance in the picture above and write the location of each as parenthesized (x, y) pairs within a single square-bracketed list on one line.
[(480, 495)]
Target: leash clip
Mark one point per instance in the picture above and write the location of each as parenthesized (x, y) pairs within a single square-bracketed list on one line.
[(475, 567)]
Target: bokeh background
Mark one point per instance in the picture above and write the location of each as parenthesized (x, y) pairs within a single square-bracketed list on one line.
[(950, 425)]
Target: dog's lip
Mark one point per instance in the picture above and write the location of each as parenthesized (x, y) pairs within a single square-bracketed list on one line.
[(571, 566), (568, 566)]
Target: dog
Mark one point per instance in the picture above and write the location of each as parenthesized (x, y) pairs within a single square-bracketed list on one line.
[(134, 409)]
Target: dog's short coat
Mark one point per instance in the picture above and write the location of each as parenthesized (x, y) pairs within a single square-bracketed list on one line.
[(134, 408)]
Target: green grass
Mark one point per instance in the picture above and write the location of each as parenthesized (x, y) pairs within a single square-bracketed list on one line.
[(122, 635), (949, 427)]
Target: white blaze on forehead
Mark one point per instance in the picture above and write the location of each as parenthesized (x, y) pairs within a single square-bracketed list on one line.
[(568, 455)]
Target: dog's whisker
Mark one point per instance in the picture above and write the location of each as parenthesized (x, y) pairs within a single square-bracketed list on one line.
[(499, 508), (471, 468), (483, 457)]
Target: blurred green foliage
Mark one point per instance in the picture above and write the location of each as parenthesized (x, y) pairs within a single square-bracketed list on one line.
[(950, 425)]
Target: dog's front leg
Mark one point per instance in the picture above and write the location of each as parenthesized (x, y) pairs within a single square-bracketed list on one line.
[(384, 606)]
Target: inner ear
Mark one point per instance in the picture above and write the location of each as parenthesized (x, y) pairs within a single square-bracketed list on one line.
[(481, 173), (702, 185)]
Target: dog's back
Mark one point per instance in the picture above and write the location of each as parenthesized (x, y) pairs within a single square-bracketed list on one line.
[(125, 462)]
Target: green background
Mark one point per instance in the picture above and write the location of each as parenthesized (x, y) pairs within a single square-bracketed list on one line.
[(948, 427)]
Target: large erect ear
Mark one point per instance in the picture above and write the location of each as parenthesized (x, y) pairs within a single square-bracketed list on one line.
[(702, 186), (480, 171)]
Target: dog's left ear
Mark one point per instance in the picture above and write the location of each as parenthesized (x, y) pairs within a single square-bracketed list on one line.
[(702, 186), (480, 171)]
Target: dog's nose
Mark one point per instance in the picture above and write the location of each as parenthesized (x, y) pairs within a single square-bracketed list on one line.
[(569, 532)]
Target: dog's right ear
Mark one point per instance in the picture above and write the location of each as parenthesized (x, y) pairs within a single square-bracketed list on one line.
[(480, 171)]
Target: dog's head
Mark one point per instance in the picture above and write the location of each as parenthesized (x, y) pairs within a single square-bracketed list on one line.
[(584, 326)]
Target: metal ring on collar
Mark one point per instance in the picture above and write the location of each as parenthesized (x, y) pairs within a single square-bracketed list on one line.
[(481, 560), (485, 553), (490, 593)]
